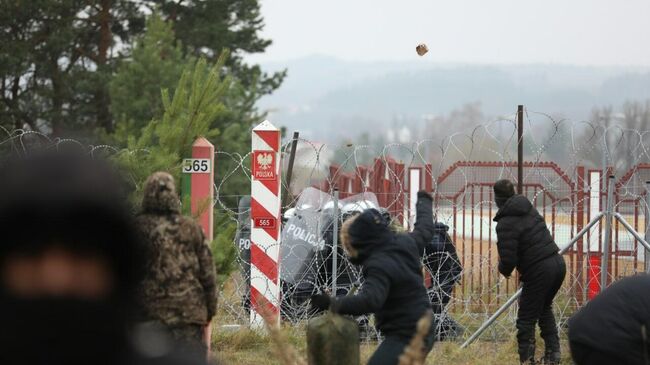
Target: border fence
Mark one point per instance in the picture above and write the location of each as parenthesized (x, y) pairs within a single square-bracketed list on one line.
[(564, 175)]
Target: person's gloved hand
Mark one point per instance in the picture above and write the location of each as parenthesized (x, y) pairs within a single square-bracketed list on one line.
[(423, 194), (320, 302), (503, 271)]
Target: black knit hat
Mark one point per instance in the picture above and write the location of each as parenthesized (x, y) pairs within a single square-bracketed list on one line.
[(503, 190), (72, 201), (366, 231)]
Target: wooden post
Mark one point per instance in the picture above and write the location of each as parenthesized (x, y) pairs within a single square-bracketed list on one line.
[(292, 157), (197, 181), (198, 194)]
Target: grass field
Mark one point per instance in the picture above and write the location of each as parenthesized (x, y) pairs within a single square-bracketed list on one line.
[(246, 346)]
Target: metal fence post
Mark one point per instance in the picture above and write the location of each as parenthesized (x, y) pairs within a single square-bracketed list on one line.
[(520, 149), (609, 209), (335, 241), (630, 229), (646, 257)]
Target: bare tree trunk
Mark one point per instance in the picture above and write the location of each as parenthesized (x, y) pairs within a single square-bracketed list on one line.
[(15, 87), (57, 101), (102, 100)]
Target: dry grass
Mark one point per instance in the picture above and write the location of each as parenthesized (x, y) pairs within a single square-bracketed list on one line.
[(247, 346), (414, 353)]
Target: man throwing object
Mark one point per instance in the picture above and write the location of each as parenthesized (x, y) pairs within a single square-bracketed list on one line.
[(524, 242)]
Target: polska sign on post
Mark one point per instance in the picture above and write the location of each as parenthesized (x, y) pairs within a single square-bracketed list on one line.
[(265, 227), (264, 170), (264, 165)]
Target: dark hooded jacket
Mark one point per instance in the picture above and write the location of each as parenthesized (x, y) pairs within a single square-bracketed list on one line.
[(180, 282), (393, 287), (614, 322), (523, 237), (443, 264)]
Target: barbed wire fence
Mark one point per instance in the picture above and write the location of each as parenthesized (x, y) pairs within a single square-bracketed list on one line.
[(560, 155), (565, 162)]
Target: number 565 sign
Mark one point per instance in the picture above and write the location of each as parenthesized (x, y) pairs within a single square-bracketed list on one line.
[(196, 166)]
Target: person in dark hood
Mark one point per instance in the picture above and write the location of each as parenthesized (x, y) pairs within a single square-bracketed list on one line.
[(614, 327), (444, 267), (70, 264), (179, 288), (524, 242), (393, 288)]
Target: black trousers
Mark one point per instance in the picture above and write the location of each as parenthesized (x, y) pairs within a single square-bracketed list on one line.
[(587, 355), (540, 284), (189, 339), (392, 347)]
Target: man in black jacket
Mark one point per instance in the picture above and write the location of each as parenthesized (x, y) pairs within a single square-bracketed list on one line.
[(393, 288), (525, 243), (614, 327)]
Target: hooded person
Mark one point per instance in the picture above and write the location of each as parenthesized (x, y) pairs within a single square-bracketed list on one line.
[(393, 288), (442, 262), (525, 242), (613, 327), (70, 264), (179, 288)]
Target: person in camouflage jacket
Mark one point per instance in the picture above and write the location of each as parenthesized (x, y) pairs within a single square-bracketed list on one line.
[(179, 289)]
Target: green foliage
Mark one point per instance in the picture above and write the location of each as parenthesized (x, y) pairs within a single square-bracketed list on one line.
[(70, 67), (190, 113), (205, 27), (57, 58), (193, 111), (157, 63), (224, 251)]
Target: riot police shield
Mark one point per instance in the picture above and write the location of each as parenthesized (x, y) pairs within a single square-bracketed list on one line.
[(243, 242)]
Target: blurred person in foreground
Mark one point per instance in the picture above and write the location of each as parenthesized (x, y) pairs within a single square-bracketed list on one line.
[(393, 288), (524, 242), (614, 327), (70, 264), (179, 289)]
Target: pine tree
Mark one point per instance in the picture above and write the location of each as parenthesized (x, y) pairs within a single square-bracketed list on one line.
[(205, 27), (196, 103), (157, 63), (56, 59)]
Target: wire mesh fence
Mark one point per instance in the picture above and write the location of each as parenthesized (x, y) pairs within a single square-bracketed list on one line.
[(565, 165)]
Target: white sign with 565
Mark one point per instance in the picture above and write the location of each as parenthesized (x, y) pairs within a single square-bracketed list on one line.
[(196, 166)]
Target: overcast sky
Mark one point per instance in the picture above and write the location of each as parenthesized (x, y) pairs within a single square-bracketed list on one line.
[(582, 32)]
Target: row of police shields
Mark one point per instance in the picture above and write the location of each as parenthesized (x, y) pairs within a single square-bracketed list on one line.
[(307, 264), (306, 249)]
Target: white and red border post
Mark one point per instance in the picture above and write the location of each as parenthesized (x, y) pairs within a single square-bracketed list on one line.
[(415, 180), (594, 248), (265, 221)]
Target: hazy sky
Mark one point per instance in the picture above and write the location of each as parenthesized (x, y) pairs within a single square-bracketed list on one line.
[(583, 32)]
